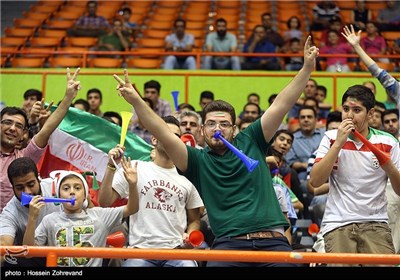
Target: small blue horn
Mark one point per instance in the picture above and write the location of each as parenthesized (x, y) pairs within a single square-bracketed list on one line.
[(26, 199)]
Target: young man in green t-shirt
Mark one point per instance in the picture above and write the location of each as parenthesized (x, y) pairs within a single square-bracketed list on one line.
[(243, 210)]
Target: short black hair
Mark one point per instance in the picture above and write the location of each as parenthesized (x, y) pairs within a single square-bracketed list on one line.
[(362, 94), (381, 105), (186, 106), (20, 167), (308, 108), (265, 14), (94, 90), (180, 20), (207, 94), (390, 111), (153, 84), (252, 104), (219, 105), (127, 9), (313, 99), (323, 88), (84, 103), (246, 120), (33, 92), (282, 131), (111, 114), (334, 116), (288, 23), (172, 120), (271, 98), (12, 111), (221, 20), (254, 94)]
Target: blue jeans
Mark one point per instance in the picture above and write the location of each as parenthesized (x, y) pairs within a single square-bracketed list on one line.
[(159, 263), (220, 62), (173, 62), (264, 244)]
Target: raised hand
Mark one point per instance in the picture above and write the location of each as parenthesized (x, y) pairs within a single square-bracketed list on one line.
[(45, 112), (310, 54), (130, 172), (72, 85), (125, 88), (116, 154), (34, 114), (351, 36)]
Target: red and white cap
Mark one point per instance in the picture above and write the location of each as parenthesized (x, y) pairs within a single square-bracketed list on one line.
[(59, 175)]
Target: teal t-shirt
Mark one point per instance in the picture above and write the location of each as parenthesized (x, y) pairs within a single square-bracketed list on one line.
[(237, 201)]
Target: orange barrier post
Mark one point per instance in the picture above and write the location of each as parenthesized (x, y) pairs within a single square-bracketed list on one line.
[(51, 260)]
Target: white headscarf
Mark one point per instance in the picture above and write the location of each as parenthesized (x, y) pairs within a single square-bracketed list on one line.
[(59, 175)]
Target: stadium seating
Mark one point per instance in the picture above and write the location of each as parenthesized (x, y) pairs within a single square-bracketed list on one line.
[(51, 19), (103, 62), (144, 63), (19, 32), (21, 62), (63, 62)]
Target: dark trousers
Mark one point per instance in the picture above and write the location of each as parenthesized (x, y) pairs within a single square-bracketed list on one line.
[(264, 244)]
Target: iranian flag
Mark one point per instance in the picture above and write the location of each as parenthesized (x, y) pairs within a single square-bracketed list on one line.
[(81, 143)]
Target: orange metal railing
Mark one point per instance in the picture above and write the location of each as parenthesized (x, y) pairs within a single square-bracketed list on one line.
[(51, 253), (198, 54)]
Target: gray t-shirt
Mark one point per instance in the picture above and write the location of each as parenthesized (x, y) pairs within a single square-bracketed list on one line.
[(14, 217), (88, 228), (188, 39), (221, 45)]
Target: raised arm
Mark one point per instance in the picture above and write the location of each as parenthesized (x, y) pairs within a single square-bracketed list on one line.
[(273, 116), (173, 145), (130, 174), (107, 195), (354, 41), (391, 85), (57, 116)]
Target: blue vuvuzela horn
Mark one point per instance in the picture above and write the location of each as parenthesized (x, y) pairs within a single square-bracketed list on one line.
[(250, 163), (26, 199)]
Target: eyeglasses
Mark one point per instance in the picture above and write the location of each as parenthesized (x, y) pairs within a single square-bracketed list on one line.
[(10, 123), (213, 124)]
